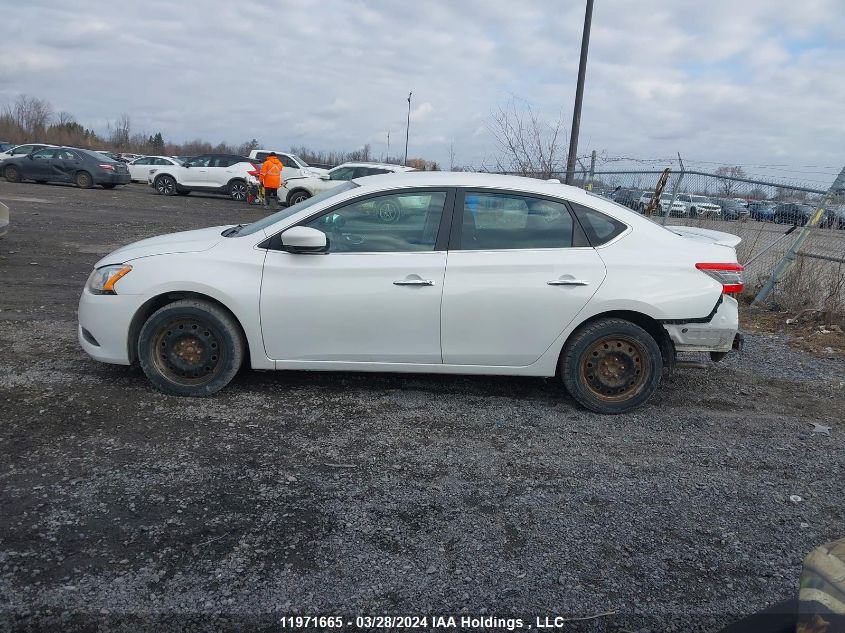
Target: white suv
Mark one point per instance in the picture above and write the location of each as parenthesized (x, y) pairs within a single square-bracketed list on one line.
[(211, 173), (300, 189), (698, 206), (293, 165)]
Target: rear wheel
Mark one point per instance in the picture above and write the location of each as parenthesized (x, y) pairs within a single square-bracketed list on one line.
[(165, 185), (190, 348), (237, 190), (83, 180), (611, 366), (12, 174), (389, 212), (298, 196)]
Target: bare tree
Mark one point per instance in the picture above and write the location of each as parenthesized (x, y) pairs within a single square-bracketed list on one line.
[(119, 134), (528, 145), (31, 115), (452, 156), (727, 186)]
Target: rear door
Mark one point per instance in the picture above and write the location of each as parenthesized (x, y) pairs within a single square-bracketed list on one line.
[(519, 270), (65, 165)]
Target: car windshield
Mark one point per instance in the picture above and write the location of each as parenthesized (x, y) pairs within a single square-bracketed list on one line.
[(263, 223), (297, 159)]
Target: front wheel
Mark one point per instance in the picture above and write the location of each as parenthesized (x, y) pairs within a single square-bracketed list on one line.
[(165, 185), (190, 348), (611, 366), (12, 174), (298, 196)]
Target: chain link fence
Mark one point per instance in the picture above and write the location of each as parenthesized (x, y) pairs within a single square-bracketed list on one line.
[(765, 214)]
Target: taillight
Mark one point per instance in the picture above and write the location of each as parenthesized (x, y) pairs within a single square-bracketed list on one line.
[(727, 274), (107, 166)]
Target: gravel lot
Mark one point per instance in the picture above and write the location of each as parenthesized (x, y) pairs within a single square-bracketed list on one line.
[(330, 493)]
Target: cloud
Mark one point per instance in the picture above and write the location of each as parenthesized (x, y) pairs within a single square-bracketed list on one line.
[(724, 80), (421, 112)]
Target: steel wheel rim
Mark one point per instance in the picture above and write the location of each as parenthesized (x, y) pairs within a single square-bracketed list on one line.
[(12, 173), (615, 368), (165, 186), (388, 212), (239, 192), (82, 180), (188, 352)]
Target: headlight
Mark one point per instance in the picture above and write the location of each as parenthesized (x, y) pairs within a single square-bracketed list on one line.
[(102, 280)]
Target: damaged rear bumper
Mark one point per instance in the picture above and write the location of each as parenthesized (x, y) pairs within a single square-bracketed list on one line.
[(719, 333)]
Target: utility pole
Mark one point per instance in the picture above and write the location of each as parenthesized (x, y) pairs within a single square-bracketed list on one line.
[(407, 129), (579, 94), (388, 146)]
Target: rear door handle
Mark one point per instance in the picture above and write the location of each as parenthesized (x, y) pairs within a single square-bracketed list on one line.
[(413, 282), (568, 282)]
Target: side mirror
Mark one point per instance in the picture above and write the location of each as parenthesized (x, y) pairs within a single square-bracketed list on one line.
[(304, 239), (325, 177)]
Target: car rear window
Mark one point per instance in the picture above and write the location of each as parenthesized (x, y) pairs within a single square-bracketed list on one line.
[(600, 228)]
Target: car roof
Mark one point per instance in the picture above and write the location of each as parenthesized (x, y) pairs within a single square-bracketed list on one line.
[(390, 166), (475, 180)]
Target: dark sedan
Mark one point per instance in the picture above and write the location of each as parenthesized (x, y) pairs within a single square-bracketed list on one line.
[(794, 213), (762, 210), (82, 167), (731, 209)]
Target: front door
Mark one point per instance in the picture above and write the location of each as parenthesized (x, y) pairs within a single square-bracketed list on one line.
[(519, 271), (39, 166), (195, 172), (375, 297)]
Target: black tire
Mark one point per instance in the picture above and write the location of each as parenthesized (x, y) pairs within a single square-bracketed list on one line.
[(165, 185), (237, 190), (389, 212), (611, 366), (12, 174), (295, 197), (190, 348), (83, 180), (109, 185)]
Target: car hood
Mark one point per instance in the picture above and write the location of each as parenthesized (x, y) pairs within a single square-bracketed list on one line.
[(183, 242), (706, 235)]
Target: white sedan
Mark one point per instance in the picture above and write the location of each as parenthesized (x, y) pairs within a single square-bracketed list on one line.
[(140, 168), (496, 275)]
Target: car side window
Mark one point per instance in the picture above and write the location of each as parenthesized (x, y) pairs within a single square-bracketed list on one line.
[(361, 172), (287, 162), (393, 223), (66, 154), (341, 173), (23, 149), (600, 229), (44, 154), (162, 161), (495, 221), (199, 161), (146, 161), (220, 161)]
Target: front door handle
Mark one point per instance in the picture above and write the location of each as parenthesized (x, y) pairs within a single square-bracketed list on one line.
[(568, 282), (413, 282)]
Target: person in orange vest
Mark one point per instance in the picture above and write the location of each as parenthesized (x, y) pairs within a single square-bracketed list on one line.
[(271, 178)]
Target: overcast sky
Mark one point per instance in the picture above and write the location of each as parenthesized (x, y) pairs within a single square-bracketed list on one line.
[(754, 82)]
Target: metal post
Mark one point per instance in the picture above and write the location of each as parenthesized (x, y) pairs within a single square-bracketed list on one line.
[(786, 263), (579, 94), (674, 190), (407, 129), (388, 146), (589, 186)]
